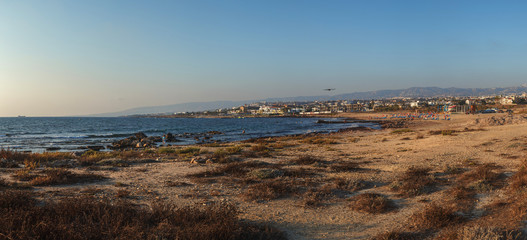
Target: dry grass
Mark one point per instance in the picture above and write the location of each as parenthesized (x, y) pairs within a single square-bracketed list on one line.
[(461, 198), (87, 218), (519, 180), (56, 176), (314, 198), (371, 203), (477, 233), (482, 178), (268, 190), (415, 181), (399, 235), (443, 132), (235, 169), (319, 140), (122, 194), (33, 157), (307, 160), (345, 166), (434, 217), (352, 185)]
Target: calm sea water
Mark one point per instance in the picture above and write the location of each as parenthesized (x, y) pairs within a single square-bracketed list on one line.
[(71, 134)]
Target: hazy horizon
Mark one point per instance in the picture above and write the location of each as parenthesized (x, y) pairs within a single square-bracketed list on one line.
[(64, 58)]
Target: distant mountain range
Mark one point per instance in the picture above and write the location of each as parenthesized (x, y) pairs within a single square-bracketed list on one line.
[(414, 92)]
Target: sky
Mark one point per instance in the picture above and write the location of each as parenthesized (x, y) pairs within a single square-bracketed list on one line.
[(64, 58)]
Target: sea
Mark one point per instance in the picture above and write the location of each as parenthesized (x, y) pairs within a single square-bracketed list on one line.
[(39, 134)]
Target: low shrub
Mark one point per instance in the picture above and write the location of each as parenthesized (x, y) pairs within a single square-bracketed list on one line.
[(235, 169), (434, 217), (442, 132), (400, 131), (482, 178), (346, 166), (62, 176), (414, 182), (399, 235), (193, 151), (306, 160), (268, 190), (371, 203), (87, 218)]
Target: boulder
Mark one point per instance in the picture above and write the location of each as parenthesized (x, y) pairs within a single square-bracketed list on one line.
[(140, 135), (169, 137), (154, 139)]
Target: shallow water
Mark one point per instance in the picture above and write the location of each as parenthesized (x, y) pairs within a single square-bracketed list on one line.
[(73, 133)]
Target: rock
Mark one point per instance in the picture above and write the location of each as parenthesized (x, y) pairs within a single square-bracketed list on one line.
[(265, 173), (95, 148), (140, 135), (169, 137), (154, 139), (52, 148), (197, 160), (129, 142), (214, 132)]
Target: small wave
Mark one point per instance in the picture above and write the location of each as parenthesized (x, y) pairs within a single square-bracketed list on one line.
[(110, 135)]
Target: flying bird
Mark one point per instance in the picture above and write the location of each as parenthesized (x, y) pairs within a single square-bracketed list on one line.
[(329, 89)]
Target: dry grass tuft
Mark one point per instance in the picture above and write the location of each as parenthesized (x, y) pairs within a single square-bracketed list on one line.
[(352, 185), (483, 178), (319, 140), (415, 181), (313, 198), (62, 176), (345, 166), (87, 218), (235, 169), (443, 132), (268, 190), (477, 233), (434, 217), (371, 203), (519, 180), (399, 235), (462, 198), (307, 160), (401, 131)]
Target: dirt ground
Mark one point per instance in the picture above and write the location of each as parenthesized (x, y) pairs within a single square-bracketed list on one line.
[(381, 157)]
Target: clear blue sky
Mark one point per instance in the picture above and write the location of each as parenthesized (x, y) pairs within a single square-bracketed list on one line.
[(81, 57)]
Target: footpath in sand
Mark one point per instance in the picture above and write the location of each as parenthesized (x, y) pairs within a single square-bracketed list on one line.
[(458, 179)]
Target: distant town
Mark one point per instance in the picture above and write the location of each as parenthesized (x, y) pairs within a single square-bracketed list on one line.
[(314, 108)]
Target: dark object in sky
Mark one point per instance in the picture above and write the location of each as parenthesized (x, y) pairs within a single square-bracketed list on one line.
[(329, 89)]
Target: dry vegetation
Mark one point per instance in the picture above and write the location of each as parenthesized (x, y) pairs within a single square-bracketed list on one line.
[(23, 217), (371, 203), (415, 181)]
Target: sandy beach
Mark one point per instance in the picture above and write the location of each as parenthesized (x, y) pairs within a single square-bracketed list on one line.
[(431, 179)]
